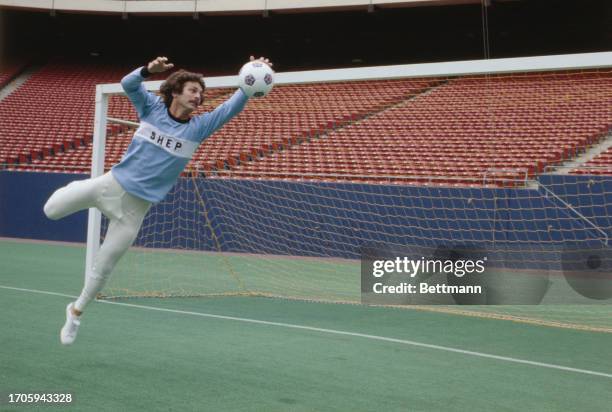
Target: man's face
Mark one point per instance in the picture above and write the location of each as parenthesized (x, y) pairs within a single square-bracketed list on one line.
[(191, 97)]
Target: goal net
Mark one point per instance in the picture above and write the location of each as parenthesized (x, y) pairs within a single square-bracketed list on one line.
[(505, 157)]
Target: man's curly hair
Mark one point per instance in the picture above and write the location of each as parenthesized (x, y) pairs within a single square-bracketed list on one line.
[(175, 83)]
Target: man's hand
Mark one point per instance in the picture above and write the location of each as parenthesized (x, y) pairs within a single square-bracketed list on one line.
[(159, 65), (263, 60)]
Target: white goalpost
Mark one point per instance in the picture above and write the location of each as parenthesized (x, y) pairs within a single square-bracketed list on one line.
[(298, 238)]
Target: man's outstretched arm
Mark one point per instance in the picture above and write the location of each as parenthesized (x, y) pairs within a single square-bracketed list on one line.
[(212, 121), (135, 90)]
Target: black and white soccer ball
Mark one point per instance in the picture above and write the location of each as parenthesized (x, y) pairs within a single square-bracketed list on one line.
[(256, 79)]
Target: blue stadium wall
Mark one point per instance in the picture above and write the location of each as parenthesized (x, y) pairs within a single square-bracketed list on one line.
[(333, 219), (22, 196)]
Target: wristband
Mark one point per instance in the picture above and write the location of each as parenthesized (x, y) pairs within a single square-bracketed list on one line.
[(144, 72)]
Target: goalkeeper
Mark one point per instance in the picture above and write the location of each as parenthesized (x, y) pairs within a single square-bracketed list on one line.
[(161, 147)]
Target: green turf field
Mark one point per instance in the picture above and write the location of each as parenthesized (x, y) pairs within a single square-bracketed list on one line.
[(265, 354), (161, 272)]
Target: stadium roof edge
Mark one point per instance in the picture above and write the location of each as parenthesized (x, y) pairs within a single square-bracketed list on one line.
[(216, 6), (453, 68)]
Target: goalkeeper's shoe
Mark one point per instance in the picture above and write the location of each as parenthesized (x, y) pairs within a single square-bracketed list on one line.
[(71, 327)]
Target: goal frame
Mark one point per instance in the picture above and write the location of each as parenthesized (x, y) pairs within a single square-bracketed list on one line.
[(453, 68)]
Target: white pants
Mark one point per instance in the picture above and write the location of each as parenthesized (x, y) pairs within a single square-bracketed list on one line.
[(124, 211)]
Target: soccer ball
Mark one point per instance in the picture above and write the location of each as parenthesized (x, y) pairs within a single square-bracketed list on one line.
[(256, 79)]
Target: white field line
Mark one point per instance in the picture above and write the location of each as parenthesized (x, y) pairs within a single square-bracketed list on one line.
[(336, 332)]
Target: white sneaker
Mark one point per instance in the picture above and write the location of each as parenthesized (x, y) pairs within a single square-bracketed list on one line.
[(71, 327)]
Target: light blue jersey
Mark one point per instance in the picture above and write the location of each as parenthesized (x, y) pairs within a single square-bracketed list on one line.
[(162, 146)]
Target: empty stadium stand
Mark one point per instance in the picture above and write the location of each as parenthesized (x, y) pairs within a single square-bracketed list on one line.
[(52, 112), (466, 131), (458, 131)]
